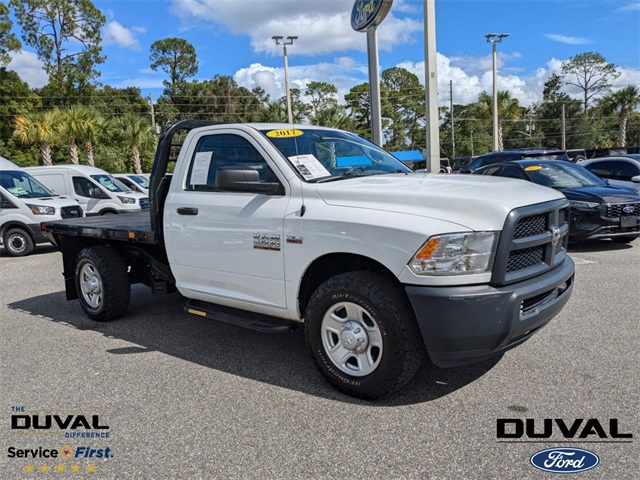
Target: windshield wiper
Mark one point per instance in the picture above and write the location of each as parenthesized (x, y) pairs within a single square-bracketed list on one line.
[(344, 175)]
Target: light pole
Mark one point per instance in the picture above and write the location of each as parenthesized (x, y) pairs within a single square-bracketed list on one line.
[(289, 41), (495, 38)]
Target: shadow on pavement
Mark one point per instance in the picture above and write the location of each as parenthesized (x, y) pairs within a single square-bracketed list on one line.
[(158, 323), (600, 246)]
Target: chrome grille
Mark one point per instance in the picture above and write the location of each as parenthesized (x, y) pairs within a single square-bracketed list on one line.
[(144, 203)]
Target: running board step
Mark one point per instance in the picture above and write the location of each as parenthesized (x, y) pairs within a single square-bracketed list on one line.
[(240, 318)]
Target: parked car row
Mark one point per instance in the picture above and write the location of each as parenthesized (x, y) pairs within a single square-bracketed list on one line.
[(33, 195), (598, 209)]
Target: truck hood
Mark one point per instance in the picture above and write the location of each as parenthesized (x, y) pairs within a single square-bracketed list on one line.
[(604, 194), (56, 201), (472, 201)]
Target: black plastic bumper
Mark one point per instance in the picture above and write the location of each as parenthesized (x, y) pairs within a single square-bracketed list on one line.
[(466, 324), (37, 234)]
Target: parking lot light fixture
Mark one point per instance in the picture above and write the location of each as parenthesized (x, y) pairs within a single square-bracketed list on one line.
[(280, 40), (495, 38)]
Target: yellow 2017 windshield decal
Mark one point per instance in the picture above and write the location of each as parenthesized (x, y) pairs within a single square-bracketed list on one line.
[(284, 133)]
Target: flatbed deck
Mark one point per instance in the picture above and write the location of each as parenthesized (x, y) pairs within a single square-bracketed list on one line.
[(131, 227)]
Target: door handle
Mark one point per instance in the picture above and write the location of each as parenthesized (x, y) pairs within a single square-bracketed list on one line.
[(187, 211)]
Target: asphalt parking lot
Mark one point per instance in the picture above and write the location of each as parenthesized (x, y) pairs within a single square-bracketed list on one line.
[(185, 397)]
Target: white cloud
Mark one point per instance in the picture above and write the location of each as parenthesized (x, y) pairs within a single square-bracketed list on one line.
[(567, 40), (30, 69), (630, 7), (323, 27), (116, 34), (344, 73)]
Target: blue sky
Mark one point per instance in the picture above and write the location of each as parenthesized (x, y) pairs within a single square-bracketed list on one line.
[(233, 37)]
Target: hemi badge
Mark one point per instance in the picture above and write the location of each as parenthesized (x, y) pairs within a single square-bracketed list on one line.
[(292, 239)]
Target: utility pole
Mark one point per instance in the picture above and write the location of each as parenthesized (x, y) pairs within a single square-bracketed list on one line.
[(431, 80), (279, 41), (495, 38), (153, 115), (564, 127), (453, 123)]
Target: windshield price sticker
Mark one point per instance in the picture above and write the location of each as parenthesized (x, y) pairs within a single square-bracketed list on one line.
[(309, 166), (533, 168), (284, 133)]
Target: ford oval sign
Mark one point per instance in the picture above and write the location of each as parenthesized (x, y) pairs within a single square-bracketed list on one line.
[(367, 13), (564, 460)]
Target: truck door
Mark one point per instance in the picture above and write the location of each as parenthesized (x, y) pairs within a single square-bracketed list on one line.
[(224, 246)]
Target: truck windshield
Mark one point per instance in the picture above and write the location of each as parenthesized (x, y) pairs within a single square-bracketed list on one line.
[(326, 155), (110, 183), (22, 185)]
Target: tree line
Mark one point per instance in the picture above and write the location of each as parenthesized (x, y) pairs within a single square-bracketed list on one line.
[(74, 118)]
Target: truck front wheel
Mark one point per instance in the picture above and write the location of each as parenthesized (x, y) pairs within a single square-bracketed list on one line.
[(363, 334), (102, 283)]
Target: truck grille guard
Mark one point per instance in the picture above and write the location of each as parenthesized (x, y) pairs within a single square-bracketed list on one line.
[(534, 240)]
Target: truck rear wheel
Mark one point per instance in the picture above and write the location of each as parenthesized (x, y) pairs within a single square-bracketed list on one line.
[(18, 243), (102, 283), (363, 334)]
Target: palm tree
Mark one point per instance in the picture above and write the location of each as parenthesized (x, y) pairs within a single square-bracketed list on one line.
[(37, 128), (72, 126), (508, 109), (624, 102), (93, 128), (138, 133)]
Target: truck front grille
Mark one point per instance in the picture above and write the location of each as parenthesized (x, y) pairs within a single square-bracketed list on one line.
[(74, 211), (534, 239)]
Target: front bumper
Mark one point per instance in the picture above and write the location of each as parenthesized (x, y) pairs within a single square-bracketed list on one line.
[(466, 324), (591, 224)]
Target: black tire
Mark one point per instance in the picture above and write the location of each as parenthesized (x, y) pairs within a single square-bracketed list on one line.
[(387, 318), (18, 243), (102, 283), (625, 239)]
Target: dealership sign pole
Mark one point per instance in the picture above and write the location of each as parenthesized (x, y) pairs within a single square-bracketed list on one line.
[(366, 16)]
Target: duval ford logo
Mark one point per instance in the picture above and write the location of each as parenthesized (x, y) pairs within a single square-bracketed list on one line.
[(564, 460), (367, 13)]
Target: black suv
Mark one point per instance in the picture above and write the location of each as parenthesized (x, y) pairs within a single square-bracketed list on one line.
[(511, 155)]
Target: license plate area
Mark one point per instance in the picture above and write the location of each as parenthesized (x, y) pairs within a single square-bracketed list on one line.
[(626, 222)]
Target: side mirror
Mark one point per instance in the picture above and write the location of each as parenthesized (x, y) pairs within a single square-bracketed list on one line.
[(98, 193), (636, 179), (237, 179)]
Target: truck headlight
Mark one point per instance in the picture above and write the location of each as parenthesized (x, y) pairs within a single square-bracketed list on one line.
[(41, 209), (127, 200), (456, 254), (578, 204)]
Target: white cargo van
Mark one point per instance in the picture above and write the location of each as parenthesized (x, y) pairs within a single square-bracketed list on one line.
[(137, 183), (96, 190), (24, 204)]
